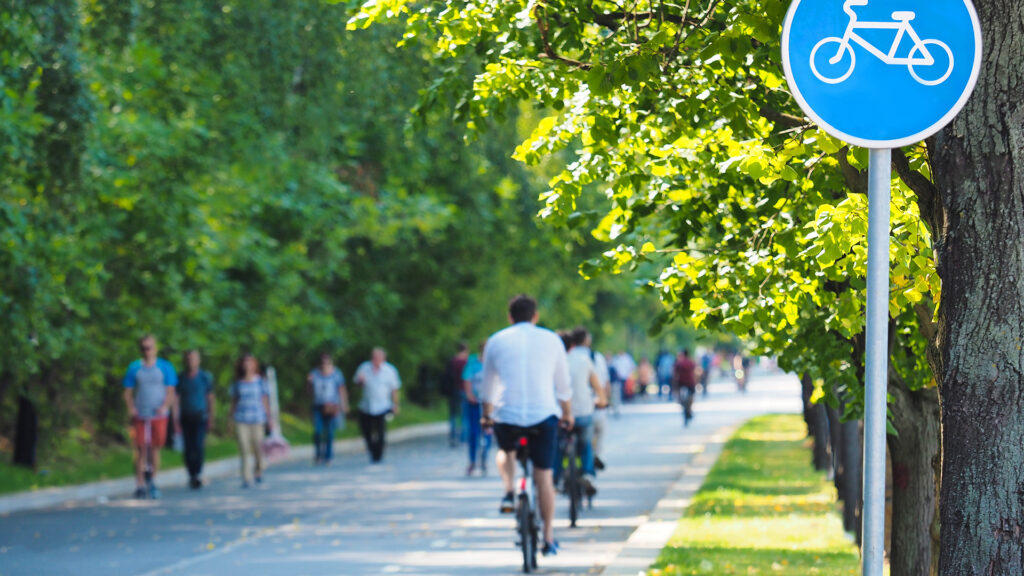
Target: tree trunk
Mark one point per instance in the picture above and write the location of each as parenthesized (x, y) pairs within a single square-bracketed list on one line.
[(915, 463), (978, 163), (822, 458), (835, 442), (26, 435), (852, 454), (806, 391)]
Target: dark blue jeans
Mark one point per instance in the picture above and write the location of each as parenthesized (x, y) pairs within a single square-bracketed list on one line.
[(193, 432), (474, 434), (455, 435), (323, 435)]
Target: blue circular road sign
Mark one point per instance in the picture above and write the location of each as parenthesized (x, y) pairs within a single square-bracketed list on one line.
[(881, 73)]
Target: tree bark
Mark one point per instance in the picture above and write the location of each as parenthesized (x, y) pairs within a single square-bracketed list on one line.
[(822, 457), (835, 442), (806, 391), (978, 164), (915, 458), (852, 454)]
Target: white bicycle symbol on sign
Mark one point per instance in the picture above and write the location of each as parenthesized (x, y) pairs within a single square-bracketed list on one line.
[(920, 56)]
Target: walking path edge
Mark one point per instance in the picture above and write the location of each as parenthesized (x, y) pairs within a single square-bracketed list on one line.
[(646, 543), (69, 495)]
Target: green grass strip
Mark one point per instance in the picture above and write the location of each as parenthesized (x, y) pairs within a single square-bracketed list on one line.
[(762, 509), (78, 461)]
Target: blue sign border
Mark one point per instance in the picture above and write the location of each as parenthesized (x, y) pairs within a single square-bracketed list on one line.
[(899, 142)]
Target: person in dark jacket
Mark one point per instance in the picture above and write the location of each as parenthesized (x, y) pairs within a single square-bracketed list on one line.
[(452, 389), (195, 412)]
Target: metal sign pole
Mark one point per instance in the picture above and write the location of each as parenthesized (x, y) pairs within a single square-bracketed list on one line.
[(875, 394)]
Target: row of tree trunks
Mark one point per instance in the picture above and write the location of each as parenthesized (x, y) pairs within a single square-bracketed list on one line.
[(816, 417), (838, 450)]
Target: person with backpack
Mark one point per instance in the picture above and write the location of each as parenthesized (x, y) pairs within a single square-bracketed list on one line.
[(195, 409)]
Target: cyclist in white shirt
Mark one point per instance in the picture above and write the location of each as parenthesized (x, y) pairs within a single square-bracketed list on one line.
[(588, 395), (601, 414), (526, 392)]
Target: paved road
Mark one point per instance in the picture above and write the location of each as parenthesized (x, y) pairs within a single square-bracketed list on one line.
[(415, 514)]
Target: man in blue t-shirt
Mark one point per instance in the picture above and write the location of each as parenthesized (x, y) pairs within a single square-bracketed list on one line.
[(149, 396), (195, 414)]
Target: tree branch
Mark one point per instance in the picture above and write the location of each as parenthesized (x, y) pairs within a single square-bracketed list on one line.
[(927, 193), (856, 180), (542, 25), (787, 121)]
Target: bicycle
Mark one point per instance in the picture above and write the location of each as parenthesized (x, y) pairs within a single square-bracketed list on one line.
[(527, 525), (573, 484), (919, 55)]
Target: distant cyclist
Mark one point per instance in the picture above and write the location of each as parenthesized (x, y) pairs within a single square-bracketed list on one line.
[(686, 382), (525, 389), (587, 395), (149, 395)]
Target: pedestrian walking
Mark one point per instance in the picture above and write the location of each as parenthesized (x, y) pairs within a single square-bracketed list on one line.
[(196, 409), (686, 383), (664, 365), (706, 361), (380, 384), (622, 365), (149, 396), (527, 393), (645, 377), (330, 404), (452, 388), (478, 439), (250, 407)]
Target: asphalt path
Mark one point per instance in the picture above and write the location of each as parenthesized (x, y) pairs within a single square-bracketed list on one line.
[(417, 513)]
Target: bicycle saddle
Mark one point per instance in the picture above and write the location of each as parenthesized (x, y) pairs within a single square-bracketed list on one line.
[(903, 16)]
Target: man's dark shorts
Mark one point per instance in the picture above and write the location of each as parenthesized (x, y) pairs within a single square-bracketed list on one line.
[(543, 439)]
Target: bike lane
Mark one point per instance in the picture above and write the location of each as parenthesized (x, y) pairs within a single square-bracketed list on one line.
[(415, 514)]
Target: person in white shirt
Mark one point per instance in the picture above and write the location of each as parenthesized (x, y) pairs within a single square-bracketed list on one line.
[(525, 389), (601, 414), (588, 394), (624, 366), (380, 383)]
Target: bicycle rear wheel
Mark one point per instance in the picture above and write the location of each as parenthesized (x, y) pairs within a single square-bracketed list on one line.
[(527, 535)]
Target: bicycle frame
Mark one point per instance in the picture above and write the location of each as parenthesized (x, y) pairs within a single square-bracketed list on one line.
[(526, 481), (902, 28)]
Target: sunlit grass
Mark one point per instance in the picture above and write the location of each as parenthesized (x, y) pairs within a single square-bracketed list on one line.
[(762, 510)]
